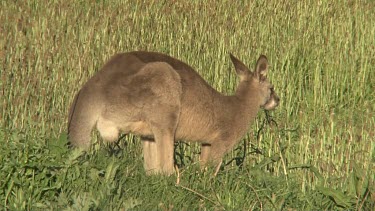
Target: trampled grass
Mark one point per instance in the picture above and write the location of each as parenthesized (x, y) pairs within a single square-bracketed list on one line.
[(318, 152)]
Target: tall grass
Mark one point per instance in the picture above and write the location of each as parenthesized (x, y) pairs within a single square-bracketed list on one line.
[(317, 151)]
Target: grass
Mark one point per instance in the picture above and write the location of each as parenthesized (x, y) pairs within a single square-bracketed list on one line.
[(317, 153)]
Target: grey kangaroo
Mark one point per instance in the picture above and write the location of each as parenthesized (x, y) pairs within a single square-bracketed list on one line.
[(162, 99)]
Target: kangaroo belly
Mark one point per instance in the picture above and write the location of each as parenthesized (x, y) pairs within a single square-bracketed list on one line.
[(196, 134), (138, 128)]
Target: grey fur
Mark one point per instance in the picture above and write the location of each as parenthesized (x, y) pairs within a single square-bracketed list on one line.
[(163, 99)]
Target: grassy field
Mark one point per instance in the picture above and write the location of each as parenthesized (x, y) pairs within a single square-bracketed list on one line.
[(316, 153)]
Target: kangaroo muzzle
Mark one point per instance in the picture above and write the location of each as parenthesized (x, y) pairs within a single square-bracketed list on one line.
[(272, 102)]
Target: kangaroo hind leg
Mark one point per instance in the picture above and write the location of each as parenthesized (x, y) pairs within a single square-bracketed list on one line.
[(82, 119), (150, 155), (158, 153)]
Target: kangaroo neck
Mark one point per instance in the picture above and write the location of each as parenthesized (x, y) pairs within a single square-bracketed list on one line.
[(237, 111), (247, 106)]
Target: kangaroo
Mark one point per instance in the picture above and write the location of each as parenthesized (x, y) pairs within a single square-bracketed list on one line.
[(162, 100)]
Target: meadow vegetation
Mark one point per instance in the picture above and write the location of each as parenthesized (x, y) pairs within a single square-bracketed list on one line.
[(316, 151)]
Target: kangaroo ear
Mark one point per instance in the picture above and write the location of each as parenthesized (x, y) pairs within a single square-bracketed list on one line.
[(241, 69), (261, 68)]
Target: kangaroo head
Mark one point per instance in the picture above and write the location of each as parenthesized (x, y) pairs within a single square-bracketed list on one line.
[(257, 82)]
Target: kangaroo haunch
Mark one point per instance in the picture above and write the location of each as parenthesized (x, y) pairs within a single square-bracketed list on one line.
[(154, 95)]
